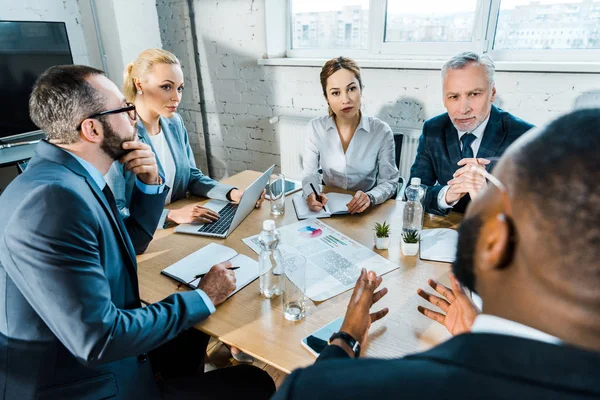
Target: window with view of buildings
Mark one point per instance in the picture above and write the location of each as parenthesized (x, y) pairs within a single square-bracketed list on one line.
[(400, 28)]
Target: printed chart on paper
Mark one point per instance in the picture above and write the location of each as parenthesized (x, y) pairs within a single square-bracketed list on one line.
[(333, 259)]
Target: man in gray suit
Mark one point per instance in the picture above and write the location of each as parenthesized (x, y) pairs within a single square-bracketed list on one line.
[(71, 321)]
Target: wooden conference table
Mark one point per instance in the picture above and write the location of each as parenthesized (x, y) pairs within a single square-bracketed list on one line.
[(256, 325)]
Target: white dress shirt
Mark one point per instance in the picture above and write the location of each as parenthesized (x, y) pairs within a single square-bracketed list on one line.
[(165, 157), (478, 132), (368, 164), (485, 323)]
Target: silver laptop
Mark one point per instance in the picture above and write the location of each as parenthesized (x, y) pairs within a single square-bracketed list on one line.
[(231, 215)]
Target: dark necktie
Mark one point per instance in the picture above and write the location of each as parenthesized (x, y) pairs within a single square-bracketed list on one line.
[(111, 202), (466, 140)]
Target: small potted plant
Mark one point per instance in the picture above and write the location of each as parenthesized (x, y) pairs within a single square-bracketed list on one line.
[(410, 243), (382, 235)]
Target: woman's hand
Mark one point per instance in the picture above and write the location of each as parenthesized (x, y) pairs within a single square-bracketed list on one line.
[(236, 196), (193, 214), (359, 203), (314, 204)]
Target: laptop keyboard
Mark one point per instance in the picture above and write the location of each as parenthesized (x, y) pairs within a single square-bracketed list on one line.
[(222, 225)]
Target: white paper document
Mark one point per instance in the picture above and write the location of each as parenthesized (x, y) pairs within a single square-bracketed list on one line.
[(202, 260), (336, 204), (439, 244), (333, 259)]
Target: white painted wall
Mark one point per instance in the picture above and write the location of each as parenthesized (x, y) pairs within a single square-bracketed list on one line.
[(241, 96)]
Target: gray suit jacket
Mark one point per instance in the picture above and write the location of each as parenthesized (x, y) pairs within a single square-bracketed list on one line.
[(188, 178), (71, 322)]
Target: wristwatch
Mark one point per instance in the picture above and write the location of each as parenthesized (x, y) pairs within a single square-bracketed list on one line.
[(350, 341)]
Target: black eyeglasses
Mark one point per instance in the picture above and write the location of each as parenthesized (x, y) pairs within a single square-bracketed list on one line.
[(129, 109)]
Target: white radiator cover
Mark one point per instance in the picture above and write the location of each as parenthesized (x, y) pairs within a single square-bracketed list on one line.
[(292, 133)]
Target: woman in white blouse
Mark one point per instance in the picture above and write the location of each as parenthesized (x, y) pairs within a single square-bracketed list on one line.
[(354, 151)]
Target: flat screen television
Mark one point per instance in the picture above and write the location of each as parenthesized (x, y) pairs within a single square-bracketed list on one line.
[(26, 50)]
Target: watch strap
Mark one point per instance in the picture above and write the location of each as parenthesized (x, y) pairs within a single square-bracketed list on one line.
[(350, 341)]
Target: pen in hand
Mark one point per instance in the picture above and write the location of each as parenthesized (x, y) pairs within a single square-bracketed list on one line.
[(200, 276), (317, 196)]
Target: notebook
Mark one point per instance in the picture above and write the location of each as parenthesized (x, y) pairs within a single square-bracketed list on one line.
[(439, 245), (200, 262), (336, 204)]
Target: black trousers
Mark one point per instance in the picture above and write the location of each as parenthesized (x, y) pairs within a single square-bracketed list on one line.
[(179, 368)]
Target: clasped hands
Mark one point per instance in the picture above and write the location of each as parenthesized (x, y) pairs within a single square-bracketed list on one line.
[(466, 179)]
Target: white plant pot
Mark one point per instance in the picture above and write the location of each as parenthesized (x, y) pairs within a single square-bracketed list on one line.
[(382, 243), (410, 249)]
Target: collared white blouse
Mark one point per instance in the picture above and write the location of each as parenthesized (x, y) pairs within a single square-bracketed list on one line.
[(368, 164)]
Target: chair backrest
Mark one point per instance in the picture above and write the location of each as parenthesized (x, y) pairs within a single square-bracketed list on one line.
[(398, 138)]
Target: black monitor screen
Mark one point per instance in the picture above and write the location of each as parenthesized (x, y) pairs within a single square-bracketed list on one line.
[(26, 50)]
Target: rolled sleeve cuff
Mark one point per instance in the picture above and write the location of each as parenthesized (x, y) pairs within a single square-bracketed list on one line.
[(442, 199), (150, 189), (207, 301)]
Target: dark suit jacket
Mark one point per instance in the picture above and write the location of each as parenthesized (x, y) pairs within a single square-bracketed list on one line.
[(469, 366), (439, 152), (71, 322)]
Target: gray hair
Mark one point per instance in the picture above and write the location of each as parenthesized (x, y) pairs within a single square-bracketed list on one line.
[(462, 60), (61, 99)]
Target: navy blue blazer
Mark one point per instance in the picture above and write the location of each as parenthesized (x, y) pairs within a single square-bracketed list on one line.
[(470, 366), (439, 152), (71, 321)]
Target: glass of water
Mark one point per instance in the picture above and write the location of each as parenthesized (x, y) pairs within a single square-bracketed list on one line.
[(277, 194), (294, 286)]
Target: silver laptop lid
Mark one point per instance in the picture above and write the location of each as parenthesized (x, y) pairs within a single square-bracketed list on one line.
[(249, 198)]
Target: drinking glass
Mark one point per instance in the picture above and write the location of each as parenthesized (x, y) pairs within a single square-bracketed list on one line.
[(294, 286), (277, 194)]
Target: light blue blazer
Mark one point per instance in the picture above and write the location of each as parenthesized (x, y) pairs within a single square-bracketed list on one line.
[(188, 178)]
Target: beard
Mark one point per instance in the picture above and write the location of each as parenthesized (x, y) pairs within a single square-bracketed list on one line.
[(112, 145), (463, 267)]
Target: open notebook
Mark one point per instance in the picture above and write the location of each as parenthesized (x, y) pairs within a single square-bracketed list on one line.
[(439, 244), (336, 204), (200, 262)]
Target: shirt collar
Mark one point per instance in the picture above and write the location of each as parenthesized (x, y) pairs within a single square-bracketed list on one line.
[(93, 171), (363, 124), (485, 323), (478, 132)]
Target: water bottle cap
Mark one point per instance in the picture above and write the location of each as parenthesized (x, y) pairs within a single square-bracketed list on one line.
[(269, 225), (415, 181)]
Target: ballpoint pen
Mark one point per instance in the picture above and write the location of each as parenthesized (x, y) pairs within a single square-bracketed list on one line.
[(200, 276), (317, 196)]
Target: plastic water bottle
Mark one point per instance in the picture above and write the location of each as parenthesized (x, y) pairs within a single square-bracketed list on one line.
[(413, 209), (269, 260)]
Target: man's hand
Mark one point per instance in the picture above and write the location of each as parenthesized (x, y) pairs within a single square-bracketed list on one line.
[(358, 317), (359, 203), (459, 307), (218, 283), (466, 180), (236, 196), (141, 161), (314, 204), (193, 214)]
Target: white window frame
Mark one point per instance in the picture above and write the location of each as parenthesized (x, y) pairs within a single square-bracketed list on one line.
[(279, 41)]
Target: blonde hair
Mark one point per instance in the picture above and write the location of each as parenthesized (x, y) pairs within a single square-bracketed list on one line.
[(140, 67)]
